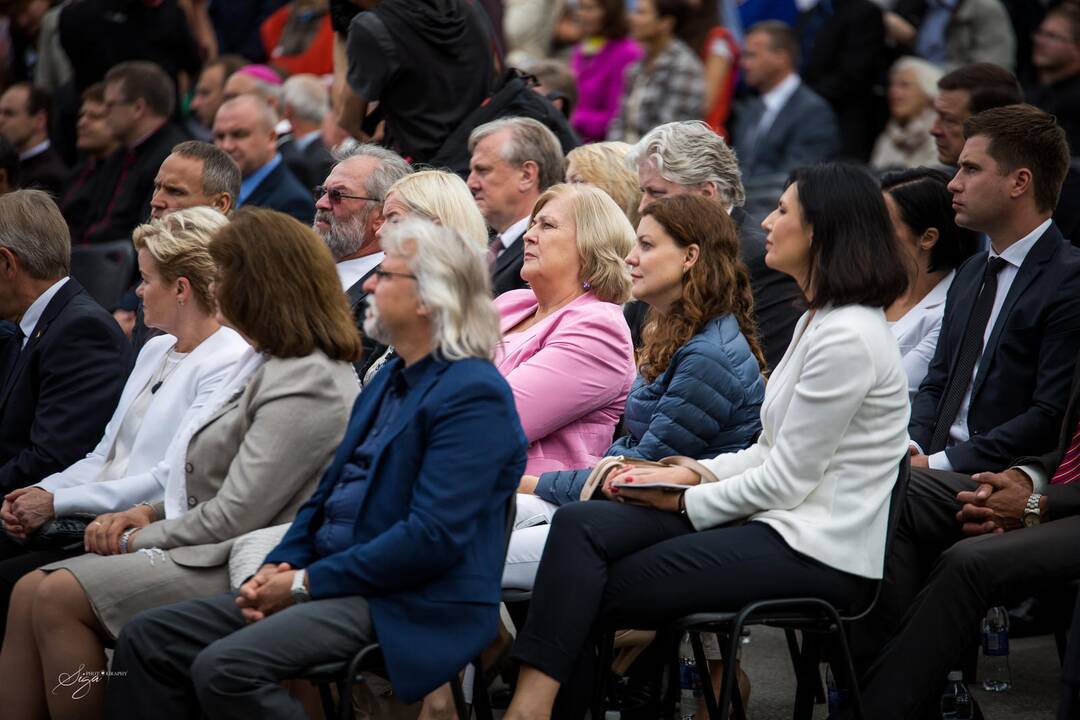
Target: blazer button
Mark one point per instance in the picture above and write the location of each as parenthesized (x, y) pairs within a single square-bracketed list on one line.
[(189, 468), (192, 501)]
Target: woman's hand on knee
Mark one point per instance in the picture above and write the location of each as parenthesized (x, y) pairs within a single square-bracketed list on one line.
[(103, 534)]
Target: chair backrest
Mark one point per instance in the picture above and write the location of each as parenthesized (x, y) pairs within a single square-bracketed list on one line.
[(105, 270), (896, 507)]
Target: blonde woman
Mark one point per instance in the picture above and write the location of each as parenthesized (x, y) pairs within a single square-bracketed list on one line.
[(604, 165)]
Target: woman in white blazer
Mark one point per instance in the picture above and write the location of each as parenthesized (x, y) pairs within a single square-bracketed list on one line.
[(800, 513), (174, 374), (920, 207)]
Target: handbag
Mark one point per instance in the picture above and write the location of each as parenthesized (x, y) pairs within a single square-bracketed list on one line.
[(62, 533), (607, 464)]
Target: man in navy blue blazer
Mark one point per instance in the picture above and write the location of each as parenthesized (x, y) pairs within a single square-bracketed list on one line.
[(404, 537)]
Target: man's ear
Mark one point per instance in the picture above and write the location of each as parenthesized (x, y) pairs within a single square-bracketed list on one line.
[(1022, 182), (222, 202), (530, 175), (9, 263)]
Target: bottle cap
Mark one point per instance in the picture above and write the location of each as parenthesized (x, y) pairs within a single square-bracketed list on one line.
[(956, 676)]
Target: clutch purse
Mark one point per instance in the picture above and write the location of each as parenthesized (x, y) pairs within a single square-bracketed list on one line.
[(607, 464)]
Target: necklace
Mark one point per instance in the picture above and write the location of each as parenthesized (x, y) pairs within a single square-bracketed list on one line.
[(168, 367)]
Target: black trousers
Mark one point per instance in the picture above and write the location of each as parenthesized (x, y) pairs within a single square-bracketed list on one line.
[(610, 565), (199, 657), (16, 561), (939, 585)]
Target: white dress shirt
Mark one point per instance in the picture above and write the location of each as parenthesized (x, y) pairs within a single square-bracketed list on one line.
[(33, 313), (917, 333), (1014, 255), (512, 233), (34, 151), (775, 100), (350, 271)]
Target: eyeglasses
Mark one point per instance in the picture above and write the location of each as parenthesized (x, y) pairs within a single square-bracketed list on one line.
[(1043, 34), (336, 195), (383, 274)]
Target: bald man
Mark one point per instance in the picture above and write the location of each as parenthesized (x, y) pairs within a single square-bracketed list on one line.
[(244, 128)]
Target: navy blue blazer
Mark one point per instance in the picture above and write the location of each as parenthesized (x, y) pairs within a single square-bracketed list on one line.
[(281, 191), (804, 132), (429, 536), (1019, 395), (63, 389)]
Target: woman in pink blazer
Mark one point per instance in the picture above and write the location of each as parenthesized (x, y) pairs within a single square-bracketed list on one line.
[(566, 349)]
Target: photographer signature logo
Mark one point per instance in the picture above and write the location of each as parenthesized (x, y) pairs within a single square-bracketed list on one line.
[(80, 681)]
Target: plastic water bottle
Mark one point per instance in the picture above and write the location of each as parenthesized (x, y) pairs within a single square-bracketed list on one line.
[(956, 701), (689, 682), (995, 648), (837, 696)]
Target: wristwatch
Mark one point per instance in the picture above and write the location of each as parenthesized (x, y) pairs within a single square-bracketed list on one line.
[(300, 592), (1032, 516)]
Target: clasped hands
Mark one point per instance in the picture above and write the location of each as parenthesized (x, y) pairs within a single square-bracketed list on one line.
[(997, 504), (266, 592), (26, 509)]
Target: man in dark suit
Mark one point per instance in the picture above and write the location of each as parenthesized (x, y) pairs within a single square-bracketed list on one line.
[(938, 586), (403, 539), (348, 212), (696, 160), (64, 361), (24, 122), (244, 128), (513, 161), (305, 102), (787, 125)]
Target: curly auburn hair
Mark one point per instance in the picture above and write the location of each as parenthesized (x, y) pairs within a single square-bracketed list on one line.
[(717, 284)]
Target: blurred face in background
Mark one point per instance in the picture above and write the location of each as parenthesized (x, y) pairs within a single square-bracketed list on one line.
[(906, 99), (209, 94), (952, 110), (93, 135), (591, 17)]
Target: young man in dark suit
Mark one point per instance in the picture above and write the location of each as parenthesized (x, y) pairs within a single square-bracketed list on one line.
[(403, 540), (999, 422), (64, 361)]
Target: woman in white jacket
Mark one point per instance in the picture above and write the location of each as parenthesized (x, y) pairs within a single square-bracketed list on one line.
[(800, 513), (174, 374)]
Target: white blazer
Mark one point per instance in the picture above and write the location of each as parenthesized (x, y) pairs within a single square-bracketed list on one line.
[(834, 428), (77, 488), (917, 333)]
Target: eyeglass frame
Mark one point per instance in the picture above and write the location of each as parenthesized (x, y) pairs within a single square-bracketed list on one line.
[(337, 196), (381, 274)]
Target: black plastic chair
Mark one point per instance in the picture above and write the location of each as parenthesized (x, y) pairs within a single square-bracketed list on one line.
[(814, 617), (105, 270)]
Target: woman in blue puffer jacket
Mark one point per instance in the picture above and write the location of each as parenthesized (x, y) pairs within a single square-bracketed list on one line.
[(699, 387)]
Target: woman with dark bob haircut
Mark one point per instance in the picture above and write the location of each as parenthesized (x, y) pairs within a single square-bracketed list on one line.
[(807, 503), (247, 461), (924, 223)]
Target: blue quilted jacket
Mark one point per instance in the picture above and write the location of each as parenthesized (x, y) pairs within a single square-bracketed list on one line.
[(707, 402)]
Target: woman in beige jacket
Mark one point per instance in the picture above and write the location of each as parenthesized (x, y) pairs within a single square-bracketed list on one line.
[(248, 462)]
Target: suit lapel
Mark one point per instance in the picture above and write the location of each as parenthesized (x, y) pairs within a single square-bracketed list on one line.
[(967, 286), (510, 256), (59, 301), (356, 293)]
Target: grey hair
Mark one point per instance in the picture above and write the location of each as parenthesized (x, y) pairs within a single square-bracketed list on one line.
[(32, 228), (690, 153), (220, 172), (392, 167), (927, 74), (529, 140), (453, 283), (307, 96)]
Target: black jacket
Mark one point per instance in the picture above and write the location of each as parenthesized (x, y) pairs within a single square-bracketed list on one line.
[(281, 191), (310, 165), (506, 272)]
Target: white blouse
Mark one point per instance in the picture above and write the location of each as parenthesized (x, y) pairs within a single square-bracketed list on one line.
[(917, 333)]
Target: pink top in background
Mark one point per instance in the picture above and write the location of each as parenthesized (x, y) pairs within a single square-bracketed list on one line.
[(570, 373), (600, 84)]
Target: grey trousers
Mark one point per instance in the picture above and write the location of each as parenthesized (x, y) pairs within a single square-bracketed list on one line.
[(199, 657)]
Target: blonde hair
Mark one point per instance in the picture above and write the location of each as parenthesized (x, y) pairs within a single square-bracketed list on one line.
[(180, 245), (453, 283), (443, 198), (604, 238), (604, 165)]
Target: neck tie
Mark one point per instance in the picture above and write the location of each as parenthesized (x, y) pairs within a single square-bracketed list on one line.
[(1069, 469), (970, 349), (493, 250)]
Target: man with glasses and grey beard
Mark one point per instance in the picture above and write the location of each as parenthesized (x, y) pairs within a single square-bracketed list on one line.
[(348, 211)]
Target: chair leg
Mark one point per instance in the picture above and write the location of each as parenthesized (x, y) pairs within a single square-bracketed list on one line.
[(327, 699), (481, 701), (460, 707), (848, 669), (808, 676), (703, 677), (793, 651), (604, 651)]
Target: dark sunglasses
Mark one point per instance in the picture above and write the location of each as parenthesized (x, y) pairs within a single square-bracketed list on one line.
[(336, 195)]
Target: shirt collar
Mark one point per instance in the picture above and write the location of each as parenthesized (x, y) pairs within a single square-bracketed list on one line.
[(1015, 253), (34, 151), (779, 95), (512, 233), (252, 181), (304, 141), (350, 271), (33, 313)]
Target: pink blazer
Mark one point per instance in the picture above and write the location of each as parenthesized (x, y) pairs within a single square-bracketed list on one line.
[(570, 373)]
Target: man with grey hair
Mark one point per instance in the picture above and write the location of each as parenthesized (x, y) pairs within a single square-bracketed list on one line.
[(348, 212), (305, 101), (63, 359), (688, 157), (244, 128), (400, 540), (513, 161)]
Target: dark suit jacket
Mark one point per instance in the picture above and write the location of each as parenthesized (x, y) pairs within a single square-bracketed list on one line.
[(776, 295), (506, 272), (59, 397), (310, 165), (45, 171), (281, 191), (373, 349), (804, 132), (429, 530), (1019, 394)]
